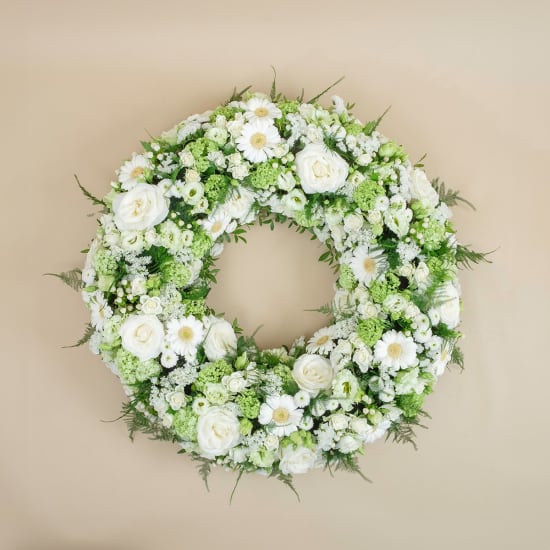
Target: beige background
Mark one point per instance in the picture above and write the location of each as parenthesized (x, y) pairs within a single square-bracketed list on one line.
[(81, 84)]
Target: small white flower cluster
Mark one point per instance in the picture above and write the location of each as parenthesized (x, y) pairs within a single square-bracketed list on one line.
[(396, 305)]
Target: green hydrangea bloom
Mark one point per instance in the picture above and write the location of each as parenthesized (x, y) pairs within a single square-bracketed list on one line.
[(212, 373), (380, 288), (366, 193), (154, 282), (354, 129), (185, 424), (245, 426), (127, 364), (433, 233), (300, 438), (195, 307), (227, 112), (304, 219), (289, 107), (264, 176), (249, 403), (216, 393), (173, 272), (347, 279), (147, 369), (370, 331), (410, 404), (391, 150), (216, 188), (104, 263), (200, 147), (285, 374), (201, 244), (262, 458), (202, 164)]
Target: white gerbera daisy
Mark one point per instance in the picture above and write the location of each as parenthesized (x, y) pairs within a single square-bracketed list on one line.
[(322, 341), (280, 414), (132, 171), (258, 140), (368, 263), (184, 335), (217, 223), (100, 310), (260, 108), (395, 350)]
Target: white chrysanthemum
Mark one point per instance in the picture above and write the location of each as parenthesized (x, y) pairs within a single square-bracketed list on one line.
[(368, 264), (100, 310), (258, 140), (395, 350), (322, 341), (132, 171), (184, 335), (217, 223), (260, 108), (280, 414)]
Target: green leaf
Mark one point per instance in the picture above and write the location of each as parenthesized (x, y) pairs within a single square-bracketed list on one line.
[(237, 96), (465, 256), (314, 99), (287, 480), (88, 195), (449, 196), (403, 431), (88, 333), (241, 472), (72, 278), (373, 124)]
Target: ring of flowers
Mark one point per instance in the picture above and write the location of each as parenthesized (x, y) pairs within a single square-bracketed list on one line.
[(192, 377)]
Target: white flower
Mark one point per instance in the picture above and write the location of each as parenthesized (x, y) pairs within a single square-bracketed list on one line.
[(395, 350), (313, 373), (150, 305), (368, 263), (362, 358), (257, 140), (217, 431), (168, 359), (280, 414), (448, 308), (339, 422), (216, 223), (176, 400), (132, 171), (297, 461), (353, 222), (220, 340), (348, 444), (367, 432), (184, 335), (322, 341), (302, 398), (240, 203), (260, 108), (192, 192), (138, 285), (142, 335), (397, 220), (235, 382), (422, 189), (100, 310), (320, 170), (286, 181), (294, 201), (271, 442), (142, 207)]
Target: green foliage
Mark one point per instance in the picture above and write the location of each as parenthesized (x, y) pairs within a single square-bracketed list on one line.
[(237, 96), (403, 431), (204, 467), (72, 278), (449, 196), (457, 357), (286, 479), (347, 463), (137, 421), (88, 333), (89, 195), (373, 124), (466, 256)]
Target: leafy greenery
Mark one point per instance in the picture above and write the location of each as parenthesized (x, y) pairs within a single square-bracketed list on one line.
[(404, 431), (89, 195), (286, 479), (347, 463), (373, 124), (137, 421), (88, 333), (449, 196), (466, 256), (72, 278), (321, 94)]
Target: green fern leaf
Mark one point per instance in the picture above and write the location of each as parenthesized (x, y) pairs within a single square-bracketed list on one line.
[(72, 278), (88, 333)]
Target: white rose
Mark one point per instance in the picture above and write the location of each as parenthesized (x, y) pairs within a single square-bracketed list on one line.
[(422, 190), (141, 208), (353, 222), (220, 340), (150, 305), (138, 285), (297, 461), (362, 357), (348, 444), (142, 335), (235, 383), (217, 431), (176, 400), (313, 373), (339, 422), (320, 170), (240, 203), (449, 308)]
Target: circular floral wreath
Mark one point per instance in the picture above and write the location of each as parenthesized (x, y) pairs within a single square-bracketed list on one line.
[(190, 375)]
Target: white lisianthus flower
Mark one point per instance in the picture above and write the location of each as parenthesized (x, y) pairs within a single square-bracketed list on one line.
[(220, 340), (150, 305), (218, 430), (142, 207), (448, 308), (286, 181), (132, 241), (348, 444), (184, 335), (260, 108), (313, 373), (192, 192), (176, 399), (297, 461), (239, 205), (280, 414), (397, 220), (353, 222), (294, 200), (133, 171), (142, 335), (320, 170), (138, 285), (395, 350), (422, 189), (235, 382), (257, 140), (362, 358)]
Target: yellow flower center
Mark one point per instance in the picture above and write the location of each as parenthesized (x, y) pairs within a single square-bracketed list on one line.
[(137, 172), (261, 111), (217, 226), (258, 140), (395, 350), (370, 265), (280, 415), (322, 340), (186, 334)]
